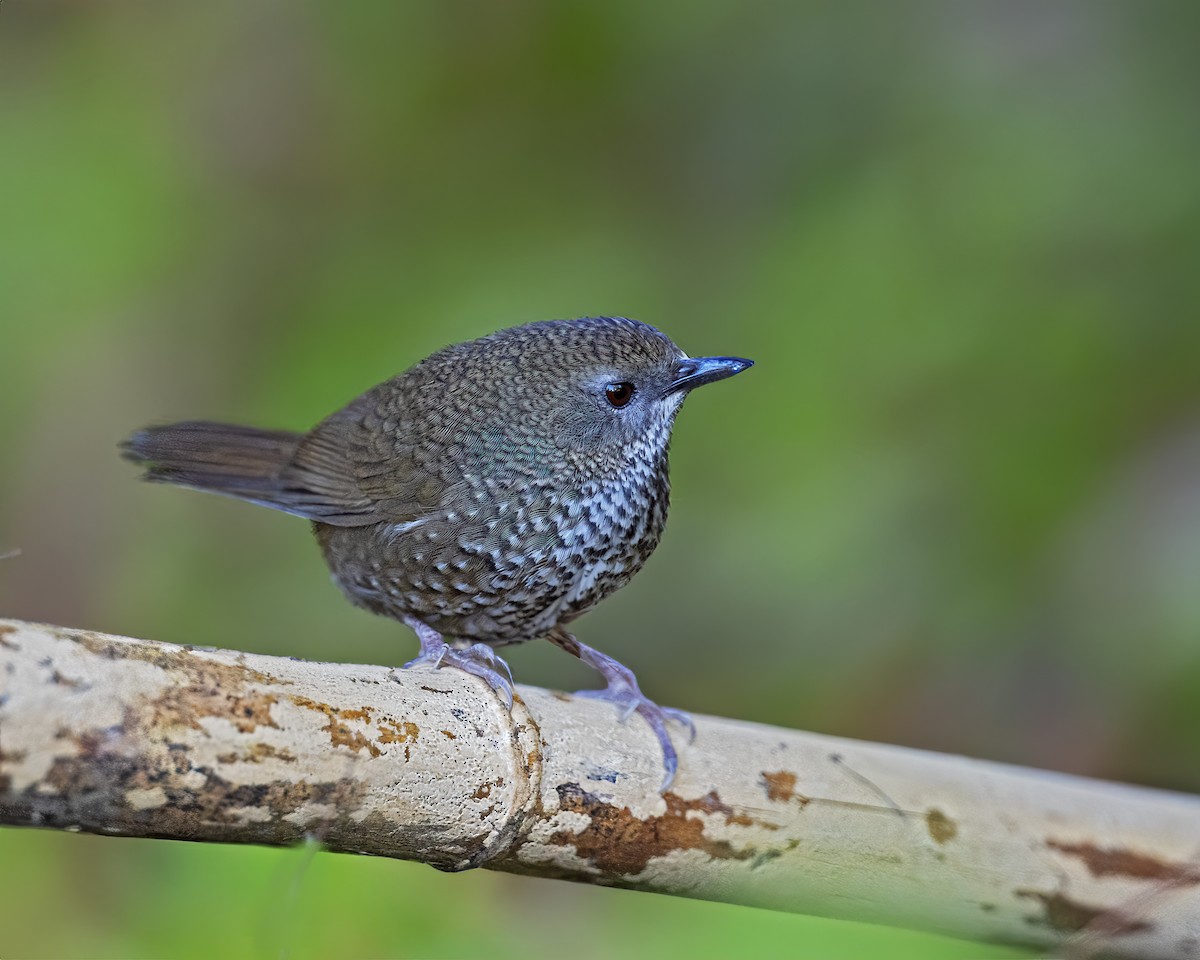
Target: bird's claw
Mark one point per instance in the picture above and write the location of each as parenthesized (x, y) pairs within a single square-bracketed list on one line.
[(479, 660), (623, 691), (631, 702)]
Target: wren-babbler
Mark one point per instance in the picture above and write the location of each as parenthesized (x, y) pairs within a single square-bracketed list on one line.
[(488, 495)]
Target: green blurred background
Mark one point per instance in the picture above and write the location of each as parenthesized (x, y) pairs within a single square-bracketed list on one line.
[(956, 505)]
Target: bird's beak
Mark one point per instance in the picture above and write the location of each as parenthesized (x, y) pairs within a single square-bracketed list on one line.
[(696, 371)]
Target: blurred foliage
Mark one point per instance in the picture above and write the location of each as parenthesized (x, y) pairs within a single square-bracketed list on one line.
[(957, 504)]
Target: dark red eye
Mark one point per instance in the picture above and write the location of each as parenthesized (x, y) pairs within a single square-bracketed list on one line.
[(619, 394)]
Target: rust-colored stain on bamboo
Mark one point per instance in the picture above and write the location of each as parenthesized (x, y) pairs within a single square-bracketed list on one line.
[(398, 731), (210, 695), (781, 785), (1119, 862), (102, 787), (621, 844), (341, 735), (1060, 912), (941, 828), (484, 790), (203, 687), (164, 657), (256, 753)]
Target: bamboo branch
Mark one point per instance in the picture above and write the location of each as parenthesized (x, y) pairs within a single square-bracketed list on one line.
[(133, 738)]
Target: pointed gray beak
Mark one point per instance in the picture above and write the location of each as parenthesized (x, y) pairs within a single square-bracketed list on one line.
[(698, 371)]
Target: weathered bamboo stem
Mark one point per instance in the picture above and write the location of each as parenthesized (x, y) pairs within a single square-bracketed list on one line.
[(133, 738)]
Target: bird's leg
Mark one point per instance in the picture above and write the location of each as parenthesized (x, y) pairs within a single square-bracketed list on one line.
[(478, 659), (623, 691)]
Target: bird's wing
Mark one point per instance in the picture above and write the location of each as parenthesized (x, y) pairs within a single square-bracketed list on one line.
[(360, 466)]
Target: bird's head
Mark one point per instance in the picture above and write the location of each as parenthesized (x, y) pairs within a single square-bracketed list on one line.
[(597, 390)]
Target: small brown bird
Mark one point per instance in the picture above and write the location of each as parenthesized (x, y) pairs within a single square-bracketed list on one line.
[(488, 495)]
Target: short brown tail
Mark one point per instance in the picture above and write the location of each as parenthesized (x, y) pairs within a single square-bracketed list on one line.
[(293, 472), (241, 462)]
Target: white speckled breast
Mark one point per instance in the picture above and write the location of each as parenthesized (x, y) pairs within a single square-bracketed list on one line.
[(512, 564)]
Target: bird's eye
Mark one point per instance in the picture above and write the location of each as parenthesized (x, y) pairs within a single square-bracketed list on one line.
[(619, 394)]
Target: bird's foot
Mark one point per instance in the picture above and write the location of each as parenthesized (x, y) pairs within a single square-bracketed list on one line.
[(623, 690), (479, 660)]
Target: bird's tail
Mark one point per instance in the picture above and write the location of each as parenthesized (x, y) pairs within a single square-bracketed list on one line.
[(242, 462)]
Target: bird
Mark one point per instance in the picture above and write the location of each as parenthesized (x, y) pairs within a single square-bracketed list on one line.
[(489, 495)]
